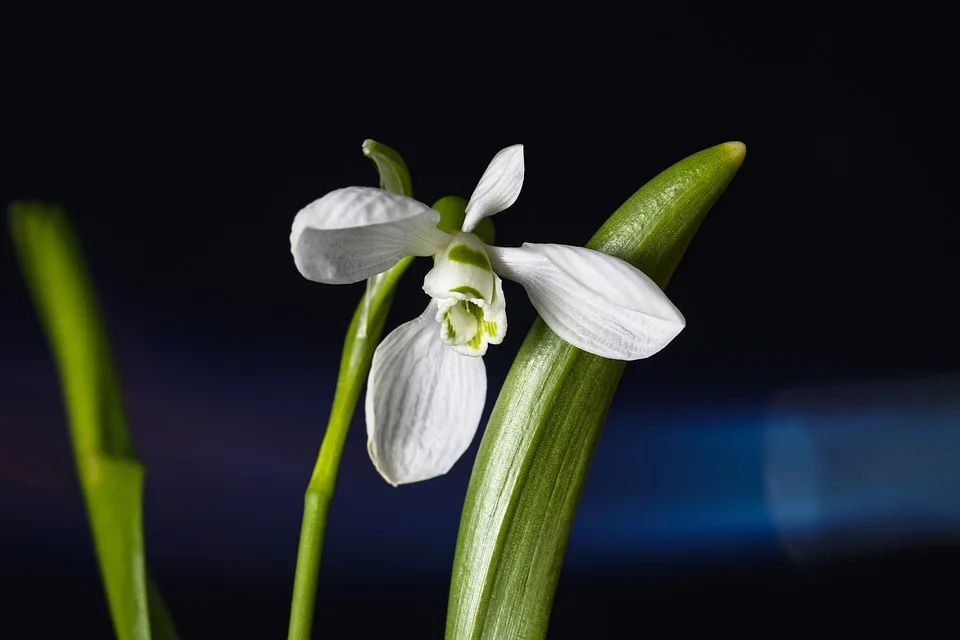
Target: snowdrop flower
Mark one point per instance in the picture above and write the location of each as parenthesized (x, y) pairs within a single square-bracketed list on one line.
[(427, 382)]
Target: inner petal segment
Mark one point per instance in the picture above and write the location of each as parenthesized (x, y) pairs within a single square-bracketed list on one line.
[(462, 270), (470, 306)]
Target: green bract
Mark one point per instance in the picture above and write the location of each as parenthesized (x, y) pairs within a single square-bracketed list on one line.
[(394, 175), (538, 444)]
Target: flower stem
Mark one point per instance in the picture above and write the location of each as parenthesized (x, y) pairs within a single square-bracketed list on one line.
[(315, 506), (363, 335)]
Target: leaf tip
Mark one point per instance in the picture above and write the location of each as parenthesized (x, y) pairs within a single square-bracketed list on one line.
[(737, 151), (25, 216), (35, 208), (369, 146)]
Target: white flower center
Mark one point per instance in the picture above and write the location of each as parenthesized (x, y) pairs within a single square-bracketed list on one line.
[(470, 305)]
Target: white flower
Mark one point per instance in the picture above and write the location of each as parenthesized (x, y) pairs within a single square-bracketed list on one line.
[(427, 386)]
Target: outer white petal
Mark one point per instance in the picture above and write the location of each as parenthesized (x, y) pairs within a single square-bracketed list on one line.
[(354, 233), (596, 302), (423, 402), (498, 187)]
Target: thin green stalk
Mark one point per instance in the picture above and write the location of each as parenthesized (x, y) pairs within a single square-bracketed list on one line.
[(362, 339), (364, 333)]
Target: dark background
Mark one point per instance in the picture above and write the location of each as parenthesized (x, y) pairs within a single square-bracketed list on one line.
[(183, 137)]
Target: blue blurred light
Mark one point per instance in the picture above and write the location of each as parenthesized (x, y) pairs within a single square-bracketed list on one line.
[(821, 473)]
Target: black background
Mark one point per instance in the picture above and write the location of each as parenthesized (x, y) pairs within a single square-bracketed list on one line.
[(183, 137)]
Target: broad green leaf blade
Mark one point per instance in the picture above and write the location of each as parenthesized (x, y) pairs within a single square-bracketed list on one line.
[(110, 474), (363, 336), (538, 444)]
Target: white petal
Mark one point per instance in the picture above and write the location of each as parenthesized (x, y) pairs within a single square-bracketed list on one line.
[(498, 187), (423, 402), (596, 302), (354, 233)]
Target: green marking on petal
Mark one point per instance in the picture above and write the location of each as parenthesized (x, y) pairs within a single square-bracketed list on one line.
[(468, 255), (475, 309), (464, 326), (475, 341), (467, 291)]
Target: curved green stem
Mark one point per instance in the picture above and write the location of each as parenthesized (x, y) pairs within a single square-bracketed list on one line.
[(362, 338), (364, 333)]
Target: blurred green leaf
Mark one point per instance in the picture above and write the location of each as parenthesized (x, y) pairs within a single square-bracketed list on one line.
[(537, 446), (111, 476)]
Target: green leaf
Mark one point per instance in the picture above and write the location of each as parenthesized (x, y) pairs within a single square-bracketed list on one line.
[(110, 474), (537, 447), (363, 335)]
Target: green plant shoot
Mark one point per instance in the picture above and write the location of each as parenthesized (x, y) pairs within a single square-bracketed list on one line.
[(111, 476)]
